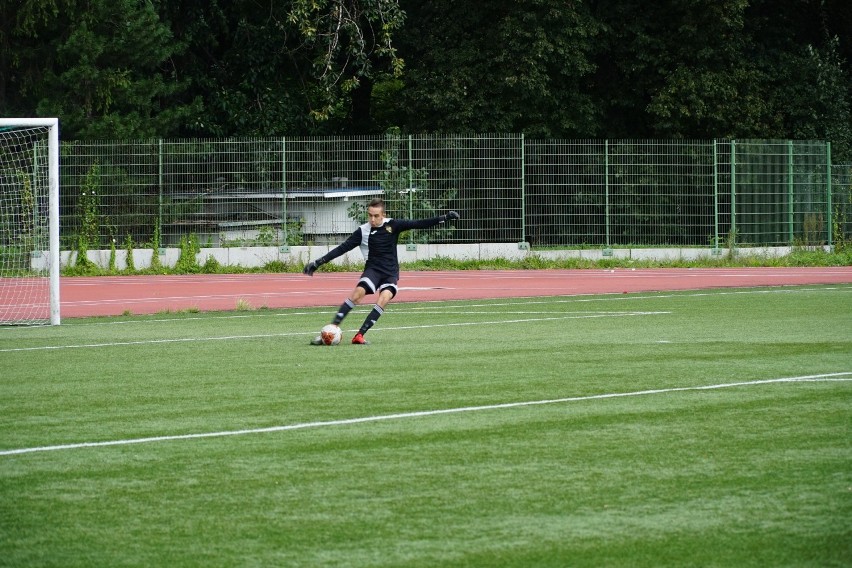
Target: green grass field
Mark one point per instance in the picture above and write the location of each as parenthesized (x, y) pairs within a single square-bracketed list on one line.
[(482, 433)]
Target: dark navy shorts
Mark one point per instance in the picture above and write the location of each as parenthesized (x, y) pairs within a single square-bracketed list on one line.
[(373, 281)]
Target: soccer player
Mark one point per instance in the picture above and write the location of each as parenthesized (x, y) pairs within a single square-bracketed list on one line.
[(378, 239)]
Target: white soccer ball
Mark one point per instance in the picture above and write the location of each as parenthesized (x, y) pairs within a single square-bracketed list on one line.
[(330, 334)]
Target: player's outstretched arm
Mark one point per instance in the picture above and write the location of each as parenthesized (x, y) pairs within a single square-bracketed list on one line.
[(350, 243), (407, 224), (312, 266)]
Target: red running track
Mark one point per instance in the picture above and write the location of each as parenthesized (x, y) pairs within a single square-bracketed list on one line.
[(100, 296)]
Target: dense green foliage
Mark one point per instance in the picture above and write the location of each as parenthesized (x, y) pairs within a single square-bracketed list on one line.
[(547, 68), (667, 473)]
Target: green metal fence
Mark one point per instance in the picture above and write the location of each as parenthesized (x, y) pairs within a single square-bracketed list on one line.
[(548, 193), (781, 192), (841, 204), (623, 192)]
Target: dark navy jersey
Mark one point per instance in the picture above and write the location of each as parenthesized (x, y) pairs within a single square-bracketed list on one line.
[(378, 245)]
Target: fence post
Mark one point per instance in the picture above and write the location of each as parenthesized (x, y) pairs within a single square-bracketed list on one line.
[(790, 190), (285, 246), (160, 189), (606, 190), (715, 194), (410, 188), (828, 192), (733, 235), (523, 192)]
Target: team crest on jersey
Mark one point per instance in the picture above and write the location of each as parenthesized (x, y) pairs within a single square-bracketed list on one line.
[(388, 228)]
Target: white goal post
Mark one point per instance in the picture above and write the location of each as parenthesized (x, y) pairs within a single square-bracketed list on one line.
[(29, 221)]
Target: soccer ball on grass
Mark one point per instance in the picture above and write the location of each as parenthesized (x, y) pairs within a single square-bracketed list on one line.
[(330, 334)]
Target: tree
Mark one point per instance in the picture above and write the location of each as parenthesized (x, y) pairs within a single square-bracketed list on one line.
[(674, 68), (101, 65), (722, 68), (23, 51), (507, 66), (547, 68), (297, 67), (239, 62), (347, 40)]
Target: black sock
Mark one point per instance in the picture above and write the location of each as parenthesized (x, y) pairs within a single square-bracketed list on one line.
[(375, 314), (345, 308)]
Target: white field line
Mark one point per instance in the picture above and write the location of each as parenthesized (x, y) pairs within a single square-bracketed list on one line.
[(405, 307), (258, 315), (450, 311), (298, 333), (235, 295), (150, 342), (618, 297), (828, 377), (524, 320)]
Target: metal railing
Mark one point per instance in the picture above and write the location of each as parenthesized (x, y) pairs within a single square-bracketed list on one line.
[(548, 193)]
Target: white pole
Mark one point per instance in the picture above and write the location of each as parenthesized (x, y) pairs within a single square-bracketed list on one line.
[(53, 226), (53, 203), (29, 121)]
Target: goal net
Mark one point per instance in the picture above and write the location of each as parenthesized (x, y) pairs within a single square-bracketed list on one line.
[(29, 221)]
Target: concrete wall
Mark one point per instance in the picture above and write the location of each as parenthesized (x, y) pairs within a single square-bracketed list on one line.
[(260, 256)]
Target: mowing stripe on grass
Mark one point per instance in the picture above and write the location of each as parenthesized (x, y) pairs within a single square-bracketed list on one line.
[(573, 315), (843, 376)]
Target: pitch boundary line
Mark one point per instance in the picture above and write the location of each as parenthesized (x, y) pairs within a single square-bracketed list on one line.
[(827, 377), (298, 333)]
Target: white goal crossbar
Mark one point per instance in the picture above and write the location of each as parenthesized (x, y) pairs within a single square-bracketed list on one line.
[(20, 304)]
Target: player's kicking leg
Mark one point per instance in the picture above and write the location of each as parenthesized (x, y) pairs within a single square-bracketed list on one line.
[(386, 294)]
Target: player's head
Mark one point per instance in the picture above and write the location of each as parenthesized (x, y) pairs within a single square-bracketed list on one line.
[(376, 212)]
